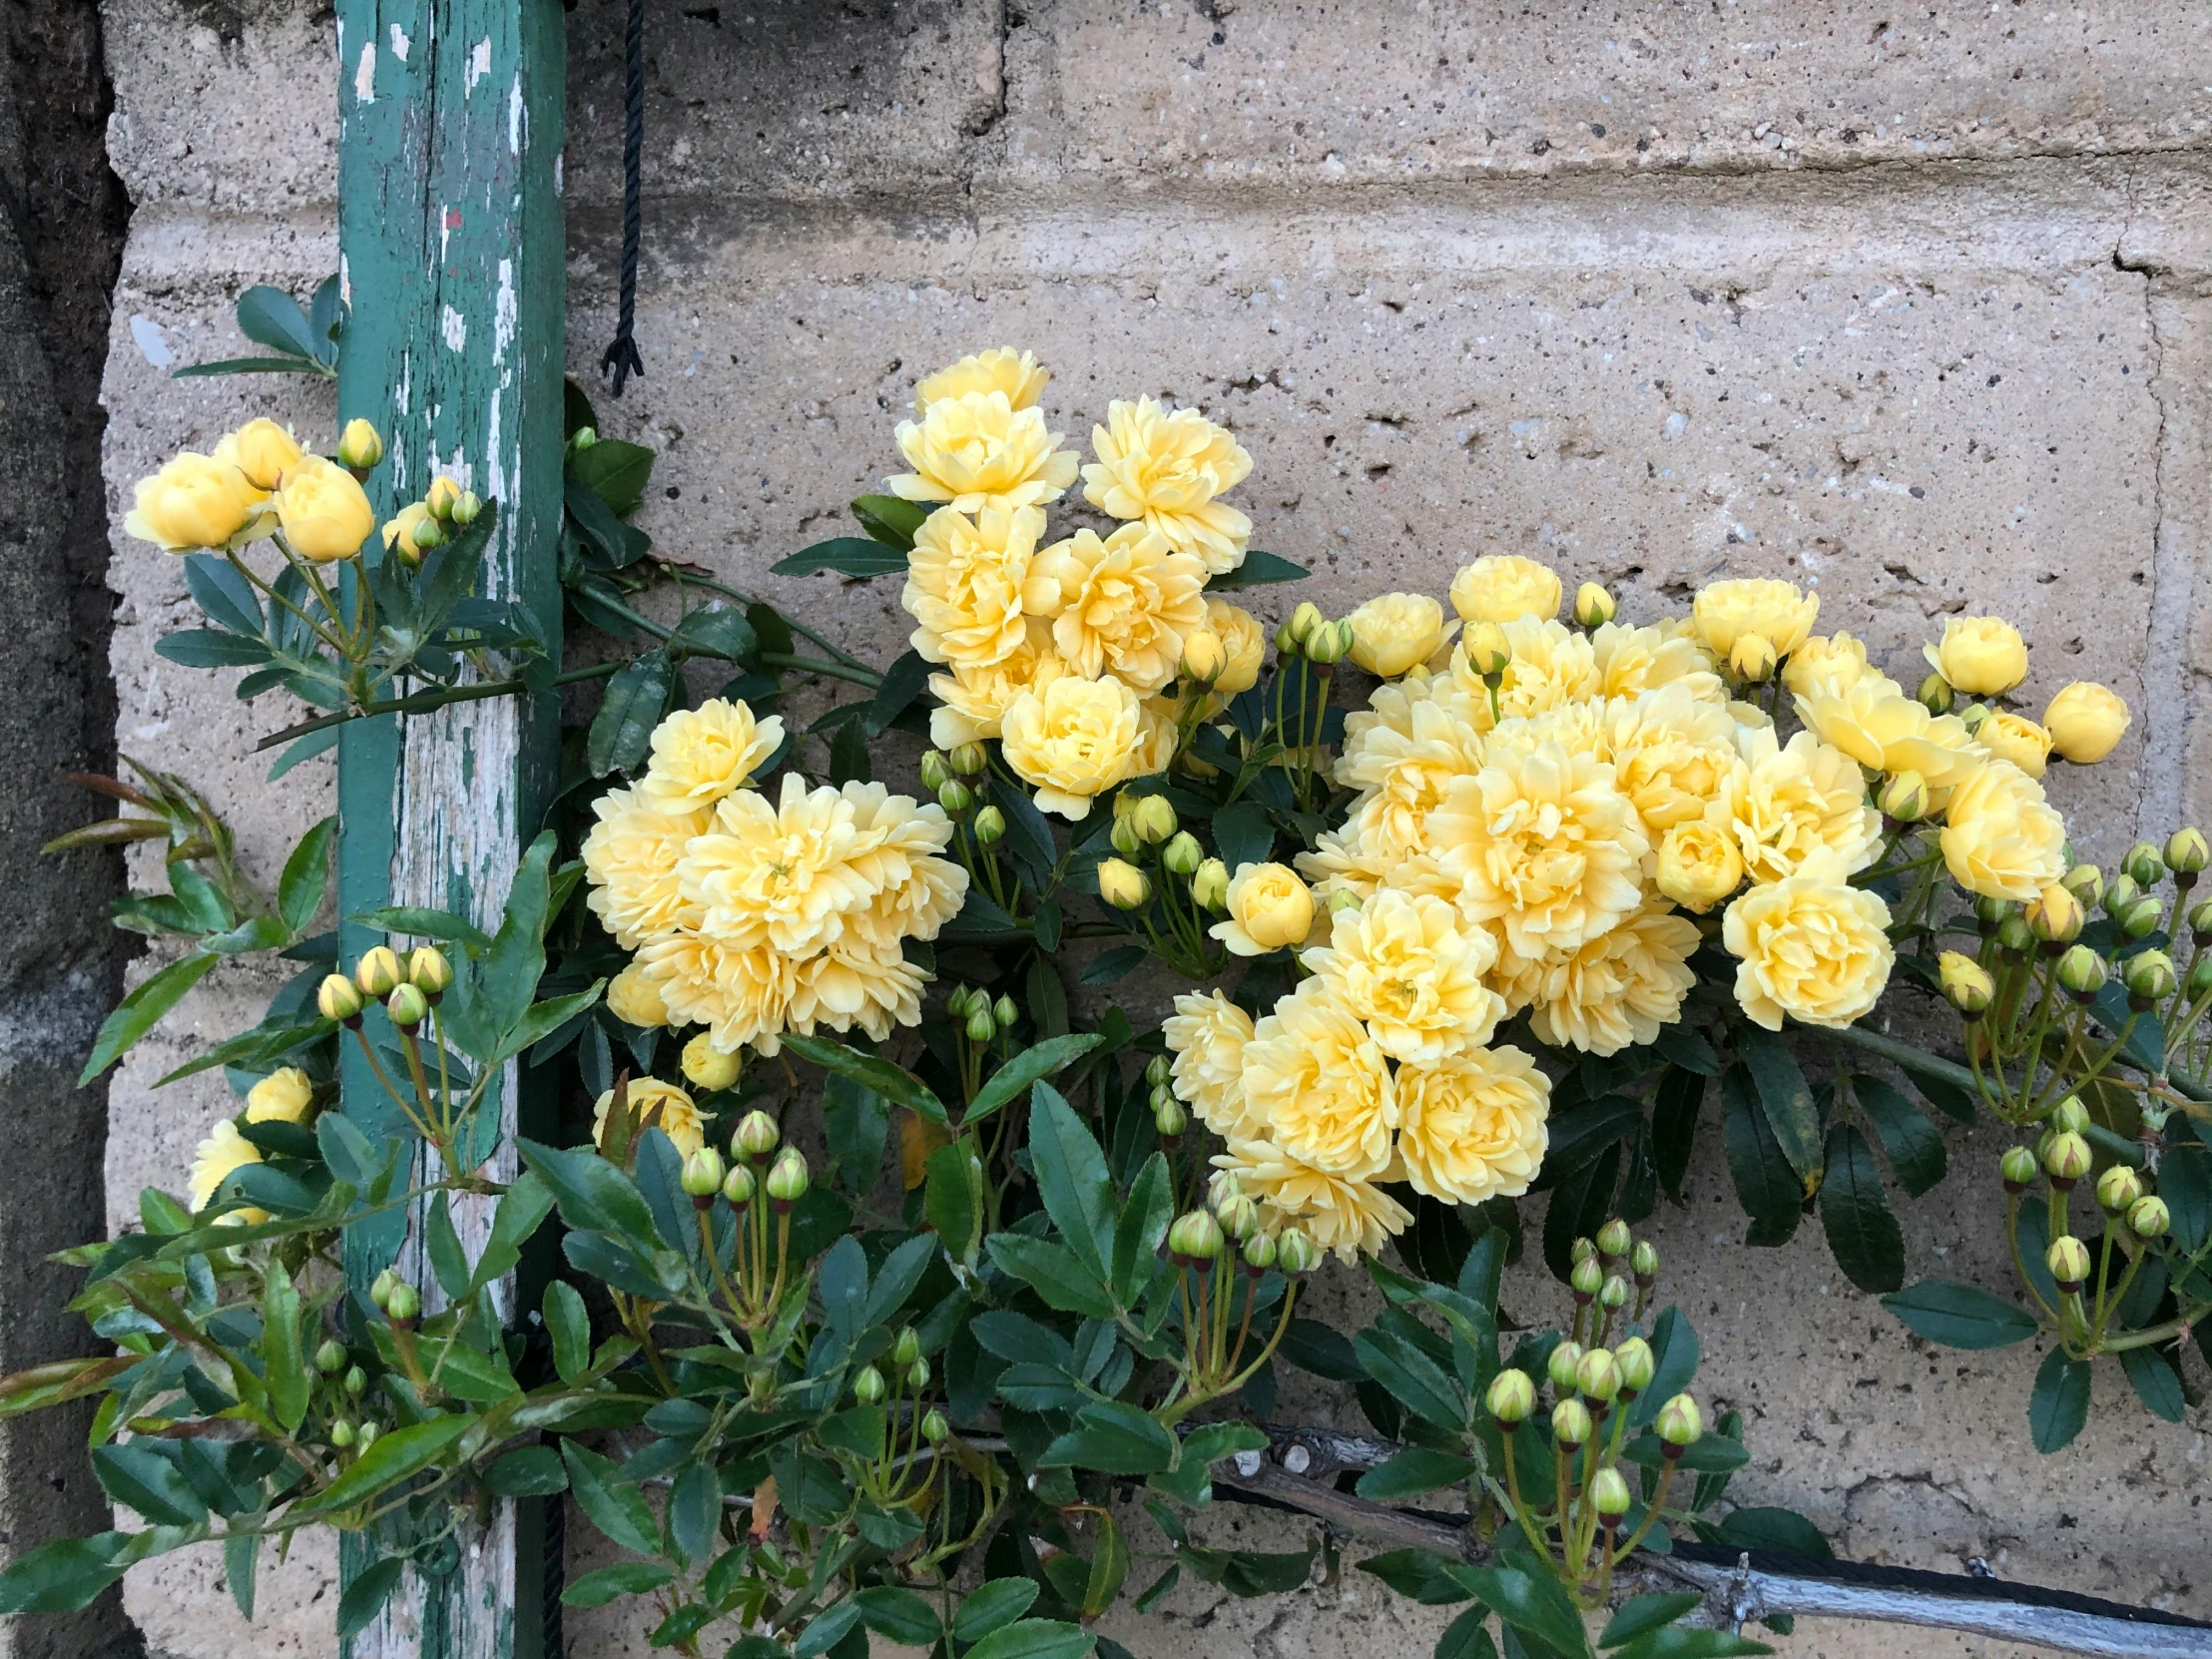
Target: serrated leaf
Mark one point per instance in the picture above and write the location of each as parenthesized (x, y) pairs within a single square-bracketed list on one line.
[(1960, 1316), (848, 555), (2059, 1406), (1765, 1186), (1914, 1146), (1072, 1179), (1256, 570), (140, 1011), (622, 731), (1011, 1081), (1855, 1213)]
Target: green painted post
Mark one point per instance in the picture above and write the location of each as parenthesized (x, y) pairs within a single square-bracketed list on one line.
[(452, 253)]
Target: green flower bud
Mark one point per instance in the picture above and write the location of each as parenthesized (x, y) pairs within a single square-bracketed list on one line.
[(338, 999), (868, 1386), (2200, 922), (2013, 936), (1587, 1279), (702, 1177), (2082, 972), (1123, 885), (955, 798), (379, 973), (2145, 863), (2140, 918), (361, 447), (982, 1024), (756, 1137), (1169, 1117), (1153, 819), (1259, 1253), (1210, 886), (787, 1176), (1183, 854), (1609, 1495), (1966, 984), (2018, 1169), (2123, 891), (1239, 1216), (2186, 853), (1123, 837), (1295, 1253), (1613, 1239), (1005, 1011), (354, 1382), (1559, 1367), (1286, 642), (1643, 1261), (1570, 1423), (583, 437), (381, 1287), (2068, 1261), (969, 759), (2066, 1160), (1196, 1236), (329, 1359), (1637, 1366), (1596, 1376), (2118, 1188), (2070, 1117), (2147, 1216), (1158, 1070), (1324, 646), (2199, 984), (934, 1428), (2149, 978), (989, 826), (1904, 797), (1305, 620), (2085, 882), (738, 1185), (1581, 1250), (936, 771), (1613, 1292), (366, 1434), (408, 1007), (342, 1433), (1935, 695), (428, 536), (405, 1303), (1512, 1397), (1680, 1425), (1989, 911), (468, 507), (917, 1375)]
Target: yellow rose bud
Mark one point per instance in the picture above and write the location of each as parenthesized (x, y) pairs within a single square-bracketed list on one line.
[(707, 1065), (440, 496), (1505, 588), (1966, 982), (1752, 658), (2009, 736), (281, 1097), (402, 529), (379, 972), (1203, 656), (1394, 631), (636, 1000), (324, 514), (1122, 884), (1270, 906), (2085, 720), (1210, 885), (361, 447), (1699, 864), (1593, 606), (1244, 643), (2056, 916), (1982, 656), (1487, 649), (1904, 797), (265, 452), (193, 501)]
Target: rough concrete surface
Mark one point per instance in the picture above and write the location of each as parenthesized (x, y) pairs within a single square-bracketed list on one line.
[(1910, 306)]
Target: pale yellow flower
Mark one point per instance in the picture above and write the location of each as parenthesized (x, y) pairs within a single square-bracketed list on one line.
[(193, 501), (323, 510), (1631, 661), (917, 889), (702, 755), (1394, 631), (1504, 588), (264, 451), (2015, 738), (679, 1119), (283, 1096), (1792, 803), (973, 701), (1809, 947), (1244, 645), (2000, 839), (1120, 605), (1319, 1082), (1671, 753), (635, 1000), (1547, 849), (1208, 1034), (1472, 1125), (1401, 752), (1778, 612), (1000, 369), (1073, 740), (1700, 865), (964, 581), (742, 996), (977, 451), (214, 1161), (1166, 467), (1618, 988), (1552, 666), (1982, 656), (1825, 662), (1344, 1215), (630, 860), (1269, 908), (2085, 719), (857, 982), (1405, 967), (1878, 726)]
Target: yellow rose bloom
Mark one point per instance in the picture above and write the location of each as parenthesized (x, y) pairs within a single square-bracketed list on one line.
[(707, 1067), (1319, 1082), (977, 451), (702, 755), (1208, 1035), (1244, 645), (1073, 740), (1269, 908), (283, 1096), (1120, 605), (1404, 965), (194, 501), (1982, 656), (1395, 631), (915, 889), (1166, 467), (1790, 803), (1401, 753), (742, 996), (974, 701), (855, 982), (630, 860), (324, 513), (679, 1119), (1880, 728), (635, 1000), (1809, 947), (2011, 737), (1552, 666), (399, 529), (1629, 661), (1825, 662), (1000, 369), (1504, 588), (1547, 850), (1618, 988), (1778, 612), (214, 1161), (2000, 838), (964, 582), (1472, 1125), (1700, 865), (2086, 721), (1671, 753), (1344, 1215), (265, 452)]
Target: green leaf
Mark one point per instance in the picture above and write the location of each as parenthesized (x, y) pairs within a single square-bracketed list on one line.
[(1765, 1186), (1465, 1638), (240, 1555), (1761, 1526), (991, 1606), (1674, 1356), (622, 731), (1960, 1316), (1113, 1438), (1416, 1382), (306, 874), (1028, 832), (289, 1382), (1034, 1639), (394, 1457), (695, 1510), (848, 556), (624, 1579), (1785, 1098), (717, 630), (570, 1327), (1678, 1642), (615, 471), (1258, 570), (2059, 1406), (1411, 1472), (1713, 1453), (891, 519), (898, 1614), (249, 365), (1855, 1212), (364, 1598), (901, 683), (522, 1209), (1053, 1272), (137, 1476), (1014, 1079), (528, 1471), (1422, 1575), (1244, 834), (1143, 1223), (1528, 1603), (952, 1198), (618, 1510), (1640, 1615), (443, 1246), (2185, 1183), (1072, 1178), (420, 923), (136, 1013), (1913, 1145), (827, 1629), (272, 317), (887, 1080), (2156, 1381), (209, 648), (594, 1195)]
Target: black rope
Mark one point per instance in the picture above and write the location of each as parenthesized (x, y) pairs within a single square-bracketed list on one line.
[(622, 359)]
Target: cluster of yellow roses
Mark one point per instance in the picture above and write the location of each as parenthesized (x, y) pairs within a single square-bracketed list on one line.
[(257, 482), (1060, 651), (1534, 804), (283, 1096), (751, 916)]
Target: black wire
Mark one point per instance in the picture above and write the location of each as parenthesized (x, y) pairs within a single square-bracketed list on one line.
[(621, 359)]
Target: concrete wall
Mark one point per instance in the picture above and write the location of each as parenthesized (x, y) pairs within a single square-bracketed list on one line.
[(1910, 306)]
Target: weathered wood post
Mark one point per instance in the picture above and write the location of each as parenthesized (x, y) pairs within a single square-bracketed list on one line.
[(452, 253)]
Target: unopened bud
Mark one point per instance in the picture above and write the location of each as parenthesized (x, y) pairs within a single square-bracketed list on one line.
[(917, 1375), (1123, 884), (934, 1428), (583, 437), (1587, 1279), (1295, 1252), (1973, 715), (2118, 1188), (868, 1386), (2147, 1218), (969, 759), (2070, 1117), (2068, 1261), (2145, 863), (1487, 649), (955, 798), (1560, 1366), (702, 1172), (1637, 1366), (342, 1433), (1512, 1397), (1169, 1118), (354, 1382), (1753, 658), (379, 973), (1570, 1422), (442, 494), (738, 1185), (2018, 1169), (1183, 854), (329, 1359), (1609, 1495), (2186, 853), (1259, 1253), (1210, 885), (709, 1067), (1303, 621), (1966, 984), (2149, 978), (2200, 922), (429, 535), (1203, 656), (366, 1434), (1593, 606), (1613, 1239), (1153, 819), (1123, 836), (983, 1025), (1643, 1262), (361, 448), (756, 1137), (1581, 1250), (1158, 1070), (1989, 911), (2082, 972), (1935, 695), (1004, 1012), (2085, 882), (1904, 797), (468, 506), (1613, 1292), (1239, 1216), (1195, 1237), (408, 1007), (936, 771), (340, 999), (2199, 984), (2056, 916), (1680, 1425), (429, 972), (381, 1287), (989, 826), (2066, 1159), (787, 1176), (1324, 646), (2120, 894), (1596, 1376), (2141, 918), (405, 1303)]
